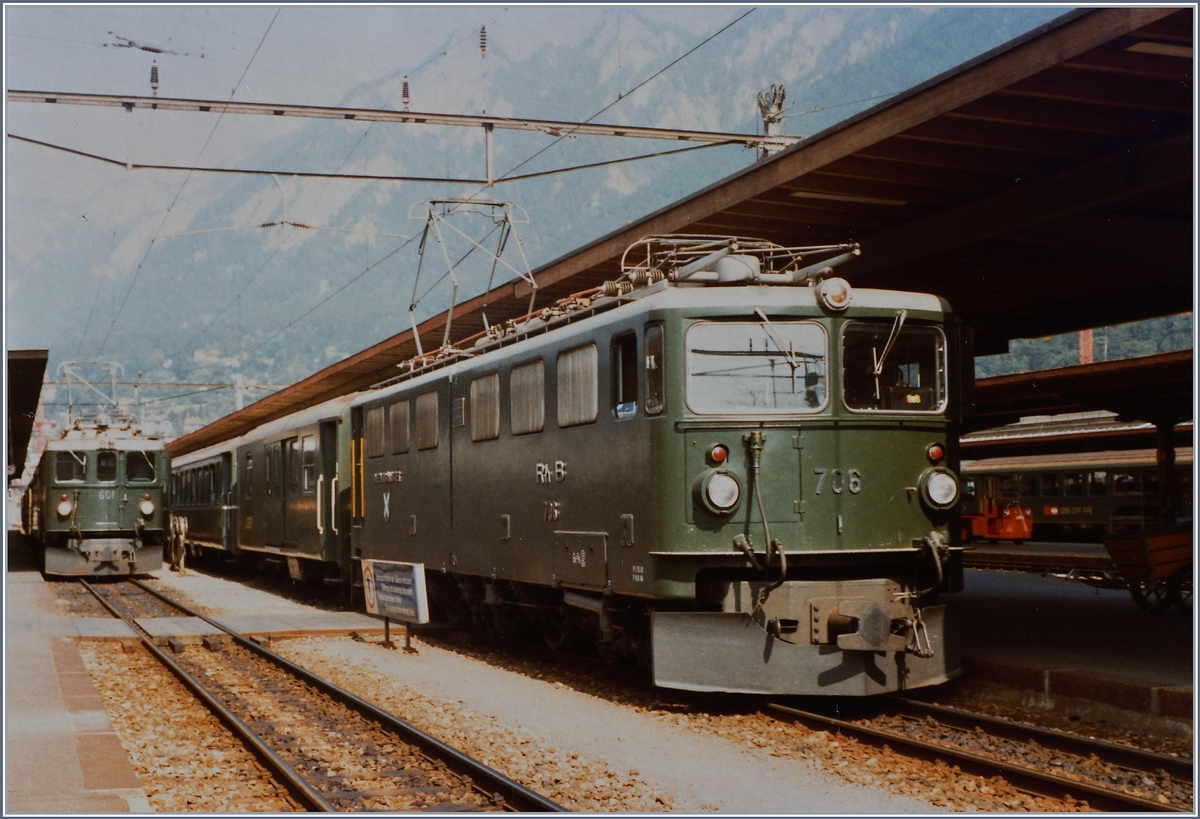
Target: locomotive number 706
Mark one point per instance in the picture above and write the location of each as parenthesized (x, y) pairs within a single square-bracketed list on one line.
[(839, 481)]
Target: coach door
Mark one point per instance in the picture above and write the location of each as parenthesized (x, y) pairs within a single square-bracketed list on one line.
[(273, 506), (327, 490), (300, 494)]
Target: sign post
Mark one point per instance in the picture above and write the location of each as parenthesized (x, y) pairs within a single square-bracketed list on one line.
[(396, 590)]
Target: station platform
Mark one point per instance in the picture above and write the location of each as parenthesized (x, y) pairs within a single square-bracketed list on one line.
[(1066, 644), (61, 752)]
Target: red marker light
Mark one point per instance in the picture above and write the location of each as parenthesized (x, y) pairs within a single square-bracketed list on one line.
[(146, 496), (718, 454), (935, 452), (64, 497)]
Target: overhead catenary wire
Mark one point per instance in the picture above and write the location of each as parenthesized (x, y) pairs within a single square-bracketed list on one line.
[(508, 176), (653, 76), (137, 271)]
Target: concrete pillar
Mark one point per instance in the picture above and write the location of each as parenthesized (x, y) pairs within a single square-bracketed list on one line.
[(1168, 489)]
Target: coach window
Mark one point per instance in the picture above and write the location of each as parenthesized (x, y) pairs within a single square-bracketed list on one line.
[(309, 454), (655, 370), (1127, 483), (249, 493), (427, 420), (398, 416), (70, 466), (106, 466), (374, 432), (624, 376), (1097, 484), (1073, 485), (485, 407), (527, 397), (577, 386), (139, 466), (1050, 486), (293, 465), (1028, 486)]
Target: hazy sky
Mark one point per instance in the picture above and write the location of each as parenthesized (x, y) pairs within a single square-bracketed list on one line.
[(97, 262)]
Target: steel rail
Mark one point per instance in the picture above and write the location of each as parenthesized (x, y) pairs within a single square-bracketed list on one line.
[(1027, 779), (554, 128), (1126, 756), (286, 772), (515, 796)]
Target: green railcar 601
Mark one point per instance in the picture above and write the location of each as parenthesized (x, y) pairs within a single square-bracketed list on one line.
[(95, 504)]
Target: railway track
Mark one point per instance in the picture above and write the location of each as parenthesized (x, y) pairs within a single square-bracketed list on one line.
[(333, 750), (1107, 776)]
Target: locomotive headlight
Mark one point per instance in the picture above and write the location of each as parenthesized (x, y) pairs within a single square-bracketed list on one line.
[(718, 492), (146, 507), (834, 294), (65, 507), (939, 488)]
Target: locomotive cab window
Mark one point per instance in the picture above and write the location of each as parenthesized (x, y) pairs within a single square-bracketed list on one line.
[(892, 367), (655, 371), (527, 397), (70, 466), (758, 368), (139, 466), (106, 466), (624, 376)]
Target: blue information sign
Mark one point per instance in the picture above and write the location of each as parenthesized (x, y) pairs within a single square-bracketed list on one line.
[(396, 590)]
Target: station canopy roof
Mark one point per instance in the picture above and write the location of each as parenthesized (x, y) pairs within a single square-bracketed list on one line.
[(1042, 187), (26, 370)]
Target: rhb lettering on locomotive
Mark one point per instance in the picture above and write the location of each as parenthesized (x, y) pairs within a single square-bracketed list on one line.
[(547, 473)]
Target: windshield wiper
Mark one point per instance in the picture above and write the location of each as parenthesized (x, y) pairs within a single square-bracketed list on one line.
[(887, 348), (788, 352)]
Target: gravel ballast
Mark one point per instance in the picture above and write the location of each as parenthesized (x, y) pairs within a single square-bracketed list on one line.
[(581, 750)]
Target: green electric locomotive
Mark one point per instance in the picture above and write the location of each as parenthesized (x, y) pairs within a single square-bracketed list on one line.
[(95, 505), (726, 462)]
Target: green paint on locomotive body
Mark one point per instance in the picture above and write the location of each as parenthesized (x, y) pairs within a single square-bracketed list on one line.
[(104, 504), (612, 503)]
